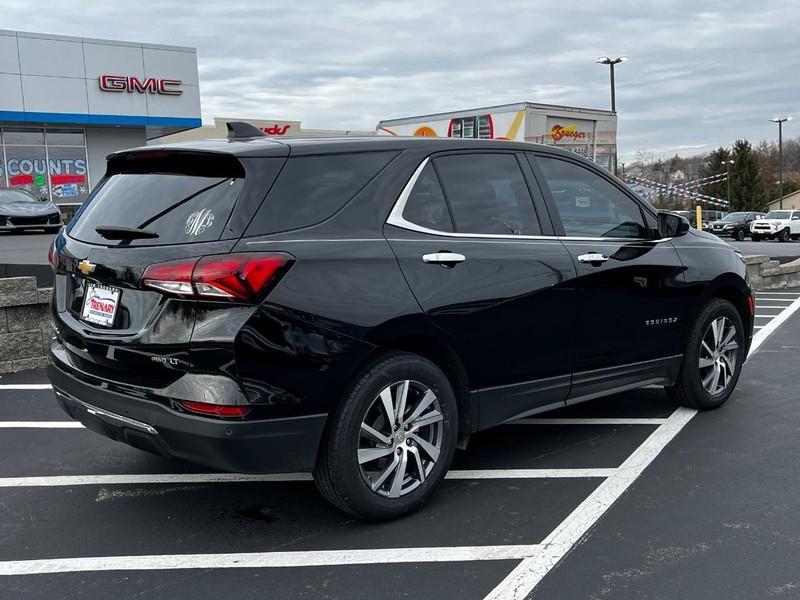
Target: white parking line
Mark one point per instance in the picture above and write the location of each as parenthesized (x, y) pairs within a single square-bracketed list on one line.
[(40, 425), (25, 386), (766, 330), (186, 478), (530, 571), (302, 558), (783, 293), (642, 421)]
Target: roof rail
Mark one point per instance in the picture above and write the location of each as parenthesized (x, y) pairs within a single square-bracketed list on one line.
[(240, 129)]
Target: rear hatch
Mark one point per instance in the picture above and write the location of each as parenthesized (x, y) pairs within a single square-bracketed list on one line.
[(152, 207)]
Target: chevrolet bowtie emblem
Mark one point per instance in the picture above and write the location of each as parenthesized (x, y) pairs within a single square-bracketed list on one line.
[(86, 267)]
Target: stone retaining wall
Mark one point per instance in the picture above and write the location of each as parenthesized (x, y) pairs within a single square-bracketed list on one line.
[(766, 274), (24, 324)]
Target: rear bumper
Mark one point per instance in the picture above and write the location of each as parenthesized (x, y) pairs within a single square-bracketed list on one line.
[(263, 446)]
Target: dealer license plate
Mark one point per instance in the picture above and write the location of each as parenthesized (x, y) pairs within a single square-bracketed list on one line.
[(100, 304)]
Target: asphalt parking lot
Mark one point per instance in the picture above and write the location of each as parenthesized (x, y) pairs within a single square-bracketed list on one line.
[(624, 497)]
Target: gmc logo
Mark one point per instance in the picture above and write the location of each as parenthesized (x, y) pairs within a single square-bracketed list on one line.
[(151, 85)]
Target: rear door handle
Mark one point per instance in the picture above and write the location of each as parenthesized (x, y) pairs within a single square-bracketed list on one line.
[(593, 258), (443, 258)]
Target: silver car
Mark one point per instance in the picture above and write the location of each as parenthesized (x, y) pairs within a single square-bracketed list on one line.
[(20, 210)]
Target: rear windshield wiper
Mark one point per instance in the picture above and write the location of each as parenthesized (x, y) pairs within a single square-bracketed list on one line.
[(124, 233)]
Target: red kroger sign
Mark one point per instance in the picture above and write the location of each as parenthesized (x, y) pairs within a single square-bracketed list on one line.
[(130, 83)]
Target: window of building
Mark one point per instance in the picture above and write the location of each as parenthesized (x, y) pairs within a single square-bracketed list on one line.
[(487, 194), (472, 127), (589, 205), (46, 162)]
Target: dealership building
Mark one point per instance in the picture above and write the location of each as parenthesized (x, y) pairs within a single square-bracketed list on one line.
[(586, 131), (67, 102)]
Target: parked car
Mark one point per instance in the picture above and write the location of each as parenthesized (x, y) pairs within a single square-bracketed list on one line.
[(781, 224), (20, 210), (735, 224), (709, 216), (360, 307)]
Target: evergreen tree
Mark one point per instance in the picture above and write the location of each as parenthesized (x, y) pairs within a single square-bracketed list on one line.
[(749, 192), (714, 165)]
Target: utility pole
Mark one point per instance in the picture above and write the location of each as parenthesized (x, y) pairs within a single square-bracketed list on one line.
[(780, 121)]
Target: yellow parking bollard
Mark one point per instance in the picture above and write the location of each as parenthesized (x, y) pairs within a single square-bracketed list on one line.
[(699, 211)]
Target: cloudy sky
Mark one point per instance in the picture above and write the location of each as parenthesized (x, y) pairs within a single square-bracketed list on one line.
[(701, 74)]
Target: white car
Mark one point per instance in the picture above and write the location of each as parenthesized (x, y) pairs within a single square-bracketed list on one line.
[(781, 224)]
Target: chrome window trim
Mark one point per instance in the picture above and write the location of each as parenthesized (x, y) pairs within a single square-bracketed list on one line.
[(396, 218)]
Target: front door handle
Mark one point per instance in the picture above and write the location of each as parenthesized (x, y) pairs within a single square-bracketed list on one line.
[(593, 258), (444, 258)]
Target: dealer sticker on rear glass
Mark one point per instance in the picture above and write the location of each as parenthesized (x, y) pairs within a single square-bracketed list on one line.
[(100, 304)]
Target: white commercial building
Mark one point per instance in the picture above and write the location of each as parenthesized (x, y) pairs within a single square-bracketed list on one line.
[(590, 132), (67, 102)]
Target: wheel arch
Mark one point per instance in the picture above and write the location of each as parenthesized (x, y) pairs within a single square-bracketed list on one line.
[(733, 289), (420, 337)]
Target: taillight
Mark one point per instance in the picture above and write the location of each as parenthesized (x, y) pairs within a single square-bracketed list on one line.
[(751, 305), (216, 410), (52, 255), (240, 277)]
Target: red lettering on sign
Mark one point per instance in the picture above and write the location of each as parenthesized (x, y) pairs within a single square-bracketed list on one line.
[(105, 307), (275, 129)]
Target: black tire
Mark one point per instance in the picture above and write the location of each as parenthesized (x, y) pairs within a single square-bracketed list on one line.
[(688, 389), (739, 234), (755, 237), (338, 474), (783, 235)]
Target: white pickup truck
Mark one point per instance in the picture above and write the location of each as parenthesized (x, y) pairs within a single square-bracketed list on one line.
[(781, 224)]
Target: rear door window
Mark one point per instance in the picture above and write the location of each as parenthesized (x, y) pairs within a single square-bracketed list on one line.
[(487, 194), (311, 189), (426, 205), (181, 200)]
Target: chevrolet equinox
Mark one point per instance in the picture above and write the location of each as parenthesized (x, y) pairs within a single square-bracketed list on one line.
[(359, 307)]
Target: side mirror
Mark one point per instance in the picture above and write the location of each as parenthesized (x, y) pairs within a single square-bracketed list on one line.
[(44, 198), (671, 225)]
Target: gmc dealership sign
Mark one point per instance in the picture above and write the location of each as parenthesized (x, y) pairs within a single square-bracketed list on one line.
[(130, 83)]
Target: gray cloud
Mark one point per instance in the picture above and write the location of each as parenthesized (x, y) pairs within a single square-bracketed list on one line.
[(701, 74)]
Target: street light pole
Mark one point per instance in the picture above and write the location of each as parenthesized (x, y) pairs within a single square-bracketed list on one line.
[(780, 121), (605, 60)]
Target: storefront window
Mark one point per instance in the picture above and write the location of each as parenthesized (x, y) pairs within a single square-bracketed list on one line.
[(26, 167), (23, 137), (68, 173), (50, 163)]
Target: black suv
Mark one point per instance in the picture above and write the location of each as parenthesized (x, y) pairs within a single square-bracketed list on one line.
[(359, 307), (736, 224)]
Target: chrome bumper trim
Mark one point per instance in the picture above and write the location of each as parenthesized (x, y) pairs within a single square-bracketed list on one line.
[(99, 412)]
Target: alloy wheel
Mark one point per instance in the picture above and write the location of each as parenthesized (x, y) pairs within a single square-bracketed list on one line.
[(718, 353), (400, 439)]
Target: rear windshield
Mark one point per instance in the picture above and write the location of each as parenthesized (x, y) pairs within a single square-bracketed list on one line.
[(310, 189), (181, 200)]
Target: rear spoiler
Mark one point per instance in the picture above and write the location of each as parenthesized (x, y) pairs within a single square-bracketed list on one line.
[(239, 129)]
